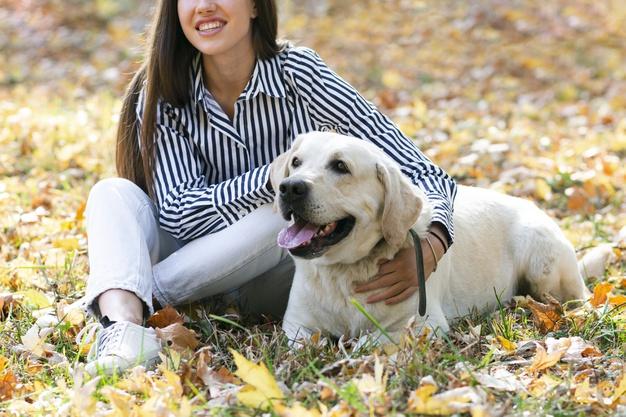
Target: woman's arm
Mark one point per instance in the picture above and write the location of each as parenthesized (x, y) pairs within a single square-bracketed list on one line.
[(188, 206)]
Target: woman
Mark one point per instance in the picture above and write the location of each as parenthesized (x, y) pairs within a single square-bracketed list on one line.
[(215, 102)]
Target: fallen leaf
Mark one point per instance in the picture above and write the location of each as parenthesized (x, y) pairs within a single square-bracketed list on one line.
[(68, 244), (7, 302), (34, 298), (8, 381), (540, 386), (600, 292), (620, 390), (261, 388), (296, 410), (585, 394), (506, 344), (178, 337), (616, 300), (458, 400), (543, 360), (547, 317), (327, 394), (501, 380), (80, 211), (576, 348), (165, 317)]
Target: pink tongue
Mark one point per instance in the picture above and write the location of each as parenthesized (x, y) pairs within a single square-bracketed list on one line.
[(296, 234)]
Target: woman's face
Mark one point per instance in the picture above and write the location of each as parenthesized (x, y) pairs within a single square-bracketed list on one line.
[(217, 27)]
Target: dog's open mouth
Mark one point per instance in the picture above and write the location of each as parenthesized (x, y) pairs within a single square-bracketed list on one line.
[(309, 240)]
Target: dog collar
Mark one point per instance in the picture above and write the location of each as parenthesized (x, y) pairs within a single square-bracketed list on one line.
[(421, 277)]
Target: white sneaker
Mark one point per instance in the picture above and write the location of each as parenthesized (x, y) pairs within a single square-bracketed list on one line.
[(120, 346)]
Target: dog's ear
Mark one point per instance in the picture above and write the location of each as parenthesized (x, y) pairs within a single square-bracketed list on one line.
[(402, 205)]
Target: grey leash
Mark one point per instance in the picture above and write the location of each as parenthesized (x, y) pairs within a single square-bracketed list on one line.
[(421, 277)]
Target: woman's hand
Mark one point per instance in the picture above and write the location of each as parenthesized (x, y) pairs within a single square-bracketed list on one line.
[(398, 276)]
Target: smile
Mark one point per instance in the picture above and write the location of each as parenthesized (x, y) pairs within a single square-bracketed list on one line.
[(211, 26)]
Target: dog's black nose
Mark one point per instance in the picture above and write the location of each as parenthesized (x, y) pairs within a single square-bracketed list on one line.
[(293, 189)]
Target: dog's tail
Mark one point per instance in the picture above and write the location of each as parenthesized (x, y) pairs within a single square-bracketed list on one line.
[(594, 263)]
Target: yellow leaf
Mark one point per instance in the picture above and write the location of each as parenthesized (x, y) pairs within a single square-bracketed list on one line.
[(584, 394), (35, 298), (600, 292), (392, 79), (542, 190), (120, 400), (297, 410), (615, 300), (173, 382), (506, 344), (544, 361), (457, 400), (620, 390), (262, 387), (68, 244)]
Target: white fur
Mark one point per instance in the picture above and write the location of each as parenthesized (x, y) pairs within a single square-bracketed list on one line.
[(499, 241)]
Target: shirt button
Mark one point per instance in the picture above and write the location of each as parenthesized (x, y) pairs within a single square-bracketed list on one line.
[(242, 213)]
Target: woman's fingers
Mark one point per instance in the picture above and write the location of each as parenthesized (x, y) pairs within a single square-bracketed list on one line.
[(389, 293), (402, 296), (378, 283)]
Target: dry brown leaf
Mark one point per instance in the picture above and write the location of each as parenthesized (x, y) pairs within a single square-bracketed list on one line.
[(547, 317), (543, 360), (165, 317), (6, 302), (327, 394), (178, 337), (7, 380), (600, 292)]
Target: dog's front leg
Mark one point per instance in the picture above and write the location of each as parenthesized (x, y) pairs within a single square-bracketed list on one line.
[(297, 334)]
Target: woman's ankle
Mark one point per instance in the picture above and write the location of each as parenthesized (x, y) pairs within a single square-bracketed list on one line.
[(121, 305)]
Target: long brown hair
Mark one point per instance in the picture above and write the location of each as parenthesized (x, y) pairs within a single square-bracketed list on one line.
[(165, 73)]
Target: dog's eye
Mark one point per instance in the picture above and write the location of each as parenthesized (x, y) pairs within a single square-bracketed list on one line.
[(296, 162), (339, 166)]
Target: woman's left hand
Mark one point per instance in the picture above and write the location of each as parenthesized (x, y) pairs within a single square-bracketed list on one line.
[(398, 276)]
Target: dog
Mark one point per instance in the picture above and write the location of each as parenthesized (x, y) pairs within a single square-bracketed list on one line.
[(350, 206)]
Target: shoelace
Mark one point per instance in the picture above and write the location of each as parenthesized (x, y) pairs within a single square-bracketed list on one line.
[(108, 338), (105, 339)]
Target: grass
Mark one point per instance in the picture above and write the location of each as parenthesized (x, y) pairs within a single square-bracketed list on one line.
[(553, 94)]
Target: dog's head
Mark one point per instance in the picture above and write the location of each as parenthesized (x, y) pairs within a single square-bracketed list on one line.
[(342, 196)]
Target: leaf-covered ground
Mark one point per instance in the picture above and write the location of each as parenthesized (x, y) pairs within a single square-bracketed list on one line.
[(526, 97)]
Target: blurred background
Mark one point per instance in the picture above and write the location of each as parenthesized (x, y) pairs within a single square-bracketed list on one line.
[(525, 96)]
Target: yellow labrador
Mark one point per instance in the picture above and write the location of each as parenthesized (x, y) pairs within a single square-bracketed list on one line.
[(350, 206)]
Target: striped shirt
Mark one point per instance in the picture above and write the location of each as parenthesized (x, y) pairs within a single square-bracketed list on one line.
[(211, 171)]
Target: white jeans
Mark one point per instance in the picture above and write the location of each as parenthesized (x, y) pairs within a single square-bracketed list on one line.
[(128, 250)]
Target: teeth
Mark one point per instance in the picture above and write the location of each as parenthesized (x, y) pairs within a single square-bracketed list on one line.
[(329, 228), (210, 25)]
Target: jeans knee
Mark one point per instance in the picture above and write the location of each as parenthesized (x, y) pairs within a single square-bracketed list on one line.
[(105, 191)]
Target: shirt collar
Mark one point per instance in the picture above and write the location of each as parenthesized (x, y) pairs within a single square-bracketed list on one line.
[(266, 78)]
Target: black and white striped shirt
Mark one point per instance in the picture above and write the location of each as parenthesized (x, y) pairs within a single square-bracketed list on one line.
[(211, 171)]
